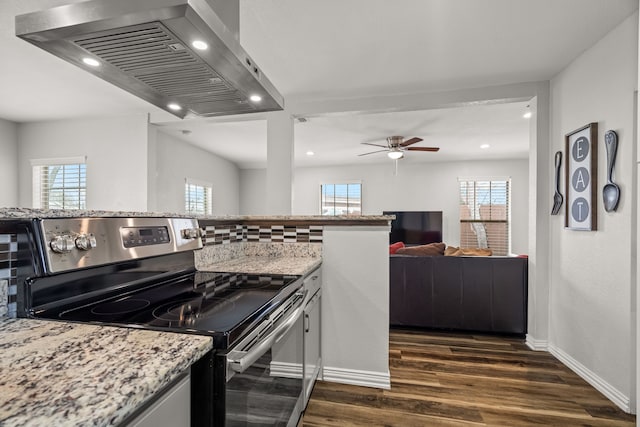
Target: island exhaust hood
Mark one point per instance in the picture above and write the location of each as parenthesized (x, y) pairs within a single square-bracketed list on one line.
[(179, 55)]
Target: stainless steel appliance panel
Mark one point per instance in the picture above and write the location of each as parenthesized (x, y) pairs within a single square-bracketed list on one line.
[(146, 47), (78, 243), (260, 381), (269, 391)]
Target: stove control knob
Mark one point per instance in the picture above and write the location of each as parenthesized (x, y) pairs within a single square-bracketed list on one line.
[(61, 244), (191, 233), (84, 242)]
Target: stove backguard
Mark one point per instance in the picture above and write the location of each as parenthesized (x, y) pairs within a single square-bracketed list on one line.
[(79, 243), (95, 254)]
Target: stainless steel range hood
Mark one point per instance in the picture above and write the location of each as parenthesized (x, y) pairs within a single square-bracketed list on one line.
[(146, 47)]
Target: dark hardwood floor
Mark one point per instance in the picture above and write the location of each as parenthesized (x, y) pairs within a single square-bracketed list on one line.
[(440, 379)]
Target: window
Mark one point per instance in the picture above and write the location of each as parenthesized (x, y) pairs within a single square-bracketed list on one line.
[(341, 199), (197, 197), (60, 183), (484, 215)]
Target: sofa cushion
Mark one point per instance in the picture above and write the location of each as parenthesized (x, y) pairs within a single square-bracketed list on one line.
[(432, 249), (454, 251), (393, 248)]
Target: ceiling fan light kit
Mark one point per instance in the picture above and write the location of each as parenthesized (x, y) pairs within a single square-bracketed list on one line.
[(395, 154)]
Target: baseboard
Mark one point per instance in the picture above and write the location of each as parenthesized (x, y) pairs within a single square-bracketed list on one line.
[(285, 370), (355, 377), (536, 345), (613, 394)]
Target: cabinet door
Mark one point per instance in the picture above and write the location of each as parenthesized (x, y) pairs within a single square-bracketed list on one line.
[(172, 408), (312, 355)]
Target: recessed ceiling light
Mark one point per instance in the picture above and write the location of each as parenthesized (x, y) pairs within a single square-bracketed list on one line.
[(310, 153), (527, 115), (255, 98), (485, 146), (200, 45), (90, 61), (174, 107)]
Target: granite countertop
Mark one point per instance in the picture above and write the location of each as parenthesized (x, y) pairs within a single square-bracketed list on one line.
[(26, 213), (266, 265), (323, 218), (66, 374)]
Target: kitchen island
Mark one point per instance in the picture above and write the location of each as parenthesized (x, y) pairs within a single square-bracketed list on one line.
[(68, 374), (355, 279), (355, 275)]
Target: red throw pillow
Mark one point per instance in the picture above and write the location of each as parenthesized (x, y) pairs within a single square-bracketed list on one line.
[(432, 249), (394, 247)]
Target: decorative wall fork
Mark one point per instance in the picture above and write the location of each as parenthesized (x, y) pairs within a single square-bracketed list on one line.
[(557, 197)]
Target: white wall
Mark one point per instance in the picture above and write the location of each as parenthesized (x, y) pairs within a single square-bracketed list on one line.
[(636, 193), (116, 152), (176, 160), (9, 163), (417, 186), (591, 288), (253, 192), (280, 176)]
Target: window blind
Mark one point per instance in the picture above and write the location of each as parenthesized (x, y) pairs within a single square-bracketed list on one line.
[(484, 215), (198, 199), (62, 186), (341, 199)]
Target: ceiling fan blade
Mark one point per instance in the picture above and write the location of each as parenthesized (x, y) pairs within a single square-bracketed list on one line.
[(375, 145), (423, 149), (372, 152), (410, 141)]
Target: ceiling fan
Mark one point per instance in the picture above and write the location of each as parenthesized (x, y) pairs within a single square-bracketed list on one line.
[(396, 146)]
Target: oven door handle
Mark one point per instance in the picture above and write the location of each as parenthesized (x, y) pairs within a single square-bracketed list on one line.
[(249, 357)]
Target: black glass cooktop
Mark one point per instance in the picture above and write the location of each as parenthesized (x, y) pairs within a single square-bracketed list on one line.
[(219, 304)]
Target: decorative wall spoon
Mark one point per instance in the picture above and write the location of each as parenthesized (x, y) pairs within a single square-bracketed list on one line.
[(611, 191)]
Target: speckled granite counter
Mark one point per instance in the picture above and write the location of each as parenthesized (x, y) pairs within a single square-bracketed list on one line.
[(64, 374), (260, 258), (265, 265), (25, 213)]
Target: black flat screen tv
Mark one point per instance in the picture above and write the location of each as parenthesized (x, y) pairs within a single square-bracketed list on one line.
[(416, 227)]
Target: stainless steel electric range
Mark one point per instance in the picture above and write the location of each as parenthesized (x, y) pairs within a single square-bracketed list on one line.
[(139, 272)]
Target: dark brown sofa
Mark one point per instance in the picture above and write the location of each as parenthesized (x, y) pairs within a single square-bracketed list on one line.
[(484, 294)]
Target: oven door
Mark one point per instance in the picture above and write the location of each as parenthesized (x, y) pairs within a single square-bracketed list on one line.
[(263, 374)]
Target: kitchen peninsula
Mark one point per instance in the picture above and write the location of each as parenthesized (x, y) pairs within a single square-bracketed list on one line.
[(353, 253), (355, 279)]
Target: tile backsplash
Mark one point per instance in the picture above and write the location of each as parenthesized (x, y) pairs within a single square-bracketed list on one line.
[(8, 274), (225, 234), (4, 294)]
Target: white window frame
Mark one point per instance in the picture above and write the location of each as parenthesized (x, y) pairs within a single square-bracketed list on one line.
[(36, 175), (509, 201), (208, 188), (345, 182)]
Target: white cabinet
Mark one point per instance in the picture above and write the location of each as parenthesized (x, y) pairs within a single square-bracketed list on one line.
[(312, 350), (171, 408)]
